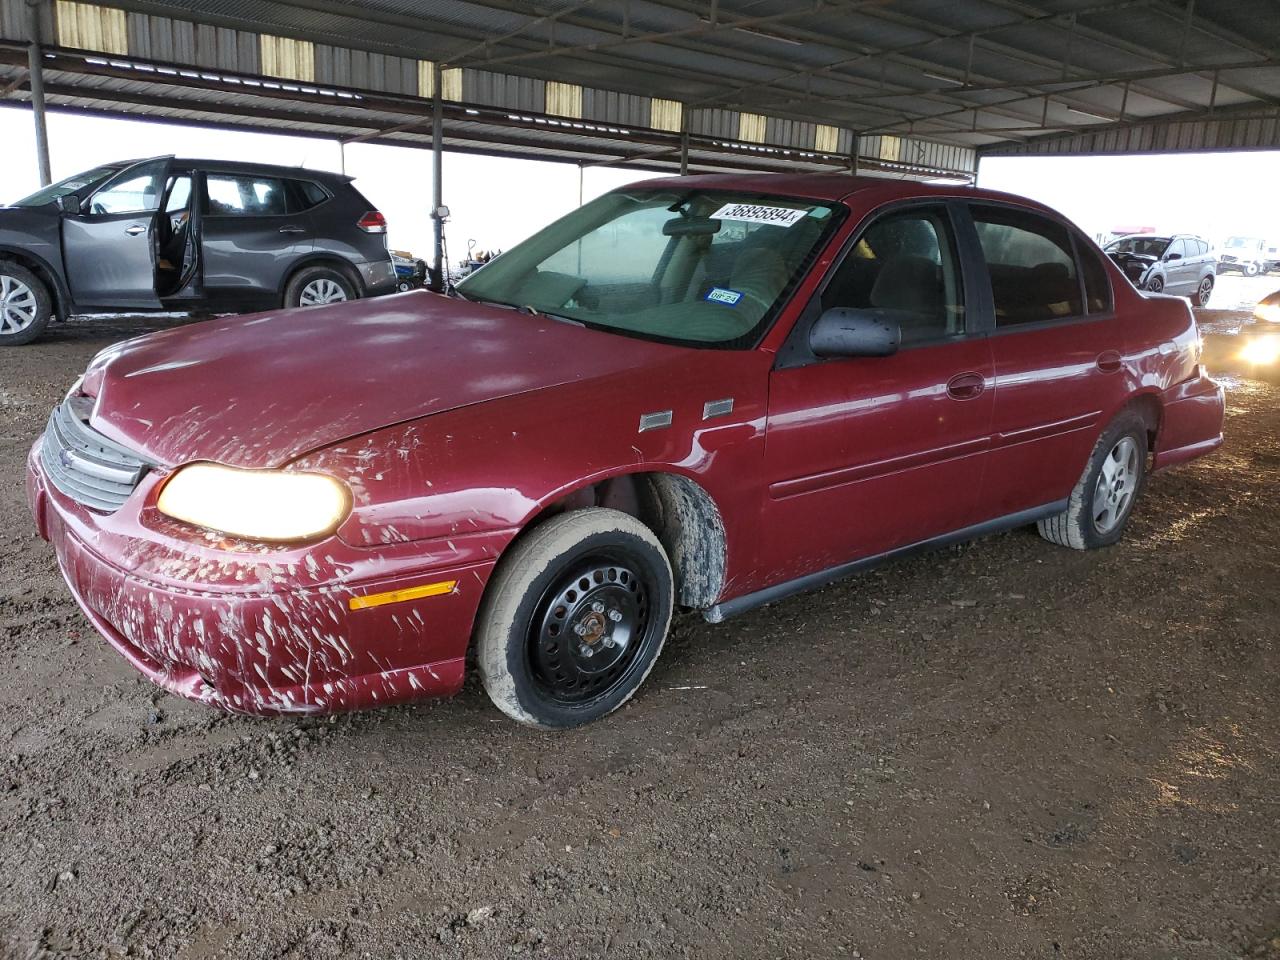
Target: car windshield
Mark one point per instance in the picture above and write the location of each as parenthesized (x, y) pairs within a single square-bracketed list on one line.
[(1142, 246), (1241, 243), (70, 185), (706, 268)]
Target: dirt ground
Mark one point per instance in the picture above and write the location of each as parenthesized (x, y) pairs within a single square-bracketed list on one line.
[(1002, 750)]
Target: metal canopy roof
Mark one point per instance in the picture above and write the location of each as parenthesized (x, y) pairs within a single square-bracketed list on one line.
[(914, 87)]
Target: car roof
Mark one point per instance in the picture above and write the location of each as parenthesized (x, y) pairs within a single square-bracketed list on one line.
[(240, 166), (868, 191)]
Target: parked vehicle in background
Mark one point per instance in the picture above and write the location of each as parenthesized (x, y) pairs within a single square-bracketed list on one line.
[(1249, 256), (1182, 264), (187, 235), (700, 392)]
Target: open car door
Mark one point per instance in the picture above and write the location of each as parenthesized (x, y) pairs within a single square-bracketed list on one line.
[(110, 245)]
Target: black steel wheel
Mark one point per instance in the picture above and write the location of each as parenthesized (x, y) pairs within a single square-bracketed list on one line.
[(574, 618)]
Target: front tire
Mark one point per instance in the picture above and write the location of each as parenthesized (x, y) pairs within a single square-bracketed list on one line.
[(319, 286), (1156, 284), (1250, 270), (574, 619), (25, 305), (1102, 500)]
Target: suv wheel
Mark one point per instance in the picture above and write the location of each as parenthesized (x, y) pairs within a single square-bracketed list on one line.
[(1156, 284), (25, 305), (318, 286), (1204, 292), (574, 618), (1103, 498)]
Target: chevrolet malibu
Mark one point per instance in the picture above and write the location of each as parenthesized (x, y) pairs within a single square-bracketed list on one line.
[(702, 393)]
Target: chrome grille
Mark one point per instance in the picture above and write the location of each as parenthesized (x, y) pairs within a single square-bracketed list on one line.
[(84, 464)]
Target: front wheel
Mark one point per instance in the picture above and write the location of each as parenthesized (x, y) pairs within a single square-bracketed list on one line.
[(574, 618), (1250, 269), (1103, 498), (1204, 291), (25, 305), (317, 287), (1156, 284)]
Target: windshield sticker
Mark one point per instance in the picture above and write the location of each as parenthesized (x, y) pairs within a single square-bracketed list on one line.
[(756, 213), (729, 298)]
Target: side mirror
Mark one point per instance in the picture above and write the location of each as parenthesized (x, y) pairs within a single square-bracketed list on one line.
[(69, 203), (1173, 256), (846, 332)]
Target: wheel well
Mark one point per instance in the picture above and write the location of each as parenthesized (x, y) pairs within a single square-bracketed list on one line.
[(1148, 407), (681, 514), (337, 263), (46, 275)]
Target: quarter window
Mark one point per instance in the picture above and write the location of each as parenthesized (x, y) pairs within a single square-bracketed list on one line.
[(904, 265), (229, 196), (1031, 264), (310, 194)]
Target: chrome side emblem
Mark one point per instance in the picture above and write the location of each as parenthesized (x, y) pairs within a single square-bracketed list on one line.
[(717, 408), (655, 421)]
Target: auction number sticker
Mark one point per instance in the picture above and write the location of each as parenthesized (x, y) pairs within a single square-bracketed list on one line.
[(758, 213)]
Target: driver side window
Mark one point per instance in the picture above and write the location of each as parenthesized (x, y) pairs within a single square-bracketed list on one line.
[(136, 190), (905, 266)]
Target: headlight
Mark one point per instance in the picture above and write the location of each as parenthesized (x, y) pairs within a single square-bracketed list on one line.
[(1267, 312), (256, 504), (1262, 351)]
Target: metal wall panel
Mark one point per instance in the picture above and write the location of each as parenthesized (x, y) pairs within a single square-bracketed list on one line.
[(714, 123), (344, 67), (619, 109), (503, 90), (1249, 132)]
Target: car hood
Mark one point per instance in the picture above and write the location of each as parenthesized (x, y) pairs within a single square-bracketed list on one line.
[(261, 390)]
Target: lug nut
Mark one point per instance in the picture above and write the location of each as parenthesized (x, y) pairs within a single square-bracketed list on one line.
[(598, 607), (609, 642), (585, 650), (580, 629), (615, 615)]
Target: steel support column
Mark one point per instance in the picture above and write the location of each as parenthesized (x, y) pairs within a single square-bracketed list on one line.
[(437, 173), (36, 68)]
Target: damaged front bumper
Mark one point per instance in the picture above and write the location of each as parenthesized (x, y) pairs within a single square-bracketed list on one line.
[(298, 637)]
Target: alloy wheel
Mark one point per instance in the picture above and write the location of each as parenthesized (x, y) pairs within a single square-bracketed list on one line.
[(590, 630), (1155, 284), (320, 291), (1117, 483), (1206, 289), (18, 305)]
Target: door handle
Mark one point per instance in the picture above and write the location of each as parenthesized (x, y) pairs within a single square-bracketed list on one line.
[(135, 229), (966, 386), (1109, 361), (293, 230)]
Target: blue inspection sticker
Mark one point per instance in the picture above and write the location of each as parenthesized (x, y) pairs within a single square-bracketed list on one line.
[(729, 298)]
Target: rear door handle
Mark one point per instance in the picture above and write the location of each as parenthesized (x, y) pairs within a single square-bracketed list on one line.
[(135, 229), (1109, 361), (293, 230), (966, 386)]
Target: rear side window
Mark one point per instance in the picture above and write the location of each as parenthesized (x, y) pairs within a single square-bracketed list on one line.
[(904, 265), (1031, 264), (309, 194), (229, 196)]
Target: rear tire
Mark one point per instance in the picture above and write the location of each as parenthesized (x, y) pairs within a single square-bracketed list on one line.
[(1102, 500), (590, 580), (319, 286), (1204, 291), (25, 305)]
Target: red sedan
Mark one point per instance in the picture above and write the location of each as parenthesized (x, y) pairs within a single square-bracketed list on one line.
[(705, 393)]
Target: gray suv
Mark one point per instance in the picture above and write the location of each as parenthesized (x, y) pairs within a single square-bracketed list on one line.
[(187, 235), (1182, 264)]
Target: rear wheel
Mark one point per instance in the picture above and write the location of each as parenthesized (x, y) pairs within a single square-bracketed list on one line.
[(25, 305), (574, 618), (1103, 498), (1204, 291), (318, 286)]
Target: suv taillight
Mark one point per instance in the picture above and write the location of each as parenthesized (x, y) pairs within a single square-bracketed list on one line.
[(372, 222)]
